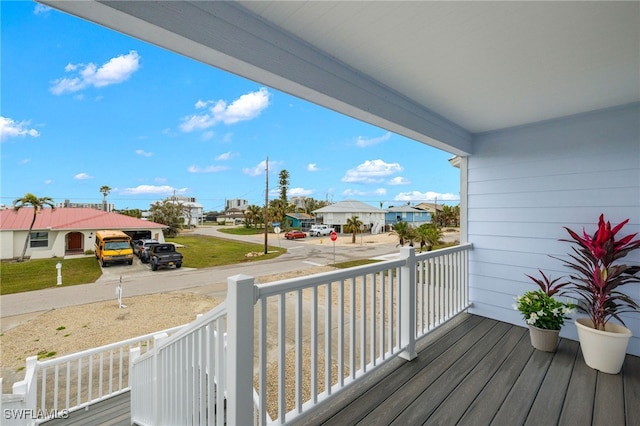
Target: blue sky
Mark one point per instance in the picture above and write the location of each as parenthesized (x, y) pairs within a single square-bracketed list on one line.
[(83, 106)]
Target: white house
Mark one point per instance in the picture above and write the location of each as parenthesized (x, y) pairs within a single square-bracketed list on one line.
[(65, 231), (192, 211), (337, 214)]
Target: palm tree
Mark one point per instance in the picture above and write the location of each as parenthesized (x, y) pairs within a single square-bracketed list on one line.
[(37, 204), (353, 225), (404, 232), (105, 190), (284, 185), (252, 214), (428, 235)]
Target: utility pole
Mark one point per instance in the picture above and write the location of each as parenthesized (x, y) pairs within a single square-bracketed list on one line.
[(266, 206)]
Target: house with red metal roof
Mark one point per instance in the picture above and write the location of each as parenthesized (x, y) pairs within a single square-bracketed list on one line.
[(65, 231)]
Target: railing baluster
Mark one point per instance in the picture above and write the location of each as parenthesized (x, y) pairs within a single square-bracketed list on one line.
[(282, 357), (352, 331), (56, 371), (68, 385), (298, 351), (373, 321), (314, 345), (327, 339), (341, 320), (263, 361), (382, 309)]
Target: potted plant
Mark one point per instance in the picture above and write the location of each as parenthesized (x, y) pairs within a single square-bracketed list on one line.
[(543, 313), (596, 278)]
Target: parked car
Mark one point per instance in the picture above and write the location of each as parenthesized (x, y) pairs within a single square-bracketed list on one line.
[(164, 255), (292, 235), (141, 248), (318, 230)]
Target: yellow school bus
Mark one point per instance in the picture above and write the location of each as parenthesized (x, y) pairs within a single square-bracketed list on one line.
[(113, 247)]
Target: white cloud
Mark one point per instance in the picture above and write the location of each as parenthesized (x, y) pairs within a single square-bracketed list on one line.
[(152, 189), (114, 71), (255, 170), (48, 182), (41, 9), (300, 192), (208, 135), (364, 142), (144, 153), (371, 171), (429, 196), (160, 180), (226, 156), (246, 107), (24, 161), (10, 129), (358, 193), (399, 180), (312, 167), (207, 169), (83, 176)]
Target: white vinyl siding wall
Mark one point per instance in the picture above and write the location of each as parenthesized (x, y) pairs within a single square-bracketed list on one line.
[(525, 184)]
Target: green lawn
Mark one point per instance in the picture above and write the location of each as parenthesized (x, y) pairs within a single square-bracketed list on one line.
[(242, 230), (199, 251), (37, 274)]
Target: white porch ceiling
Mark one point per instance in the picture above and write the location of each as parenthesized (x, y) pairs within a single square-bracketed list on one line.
[(438, 72)]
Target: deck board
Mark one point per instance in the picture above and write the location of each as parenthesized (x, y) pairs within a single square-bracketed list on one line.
[(450, 412), (548, 403), (476, 371), (631, 371)]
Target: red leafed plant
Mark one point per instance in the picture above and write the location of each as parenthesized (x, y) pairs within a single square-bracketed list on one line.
[(596, 275)]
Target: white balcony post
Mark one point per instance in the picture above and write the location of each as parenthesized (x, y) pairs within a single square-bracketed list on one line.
[(240, 300), (408, 304)]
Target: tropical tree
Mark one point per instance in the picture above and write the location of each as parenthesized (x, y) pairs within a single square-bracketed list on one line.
[(404, 232), (428, 235), (353, 225), (167, 212), (277, 211), (105, 190), (252, 215), (284, 186), (38, 203), (131, 212)]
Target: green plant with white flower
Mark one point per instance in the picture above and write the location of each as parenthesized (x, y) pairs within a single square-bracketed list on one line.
[(543, 311)]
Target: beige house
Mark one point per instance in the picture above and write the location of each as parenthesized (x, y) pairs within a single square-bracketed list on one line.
[(65, 231)]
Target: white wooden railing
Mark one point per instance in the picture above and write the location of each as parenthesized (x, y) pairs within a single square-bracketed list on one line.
[(56, 387), (292, 344)]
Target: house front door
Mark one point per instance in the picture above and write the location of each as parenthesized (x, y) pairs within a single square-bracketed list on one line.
[(74, 242)]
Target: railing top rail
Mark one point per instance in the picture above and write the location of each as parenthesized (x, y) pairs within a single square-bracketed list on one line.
[(300, 283), (440, 252), (99, 349), (294, 284)]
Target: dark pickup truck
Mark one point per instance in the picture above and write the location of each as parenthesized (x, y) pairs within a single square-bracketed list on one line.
[(164, 256)]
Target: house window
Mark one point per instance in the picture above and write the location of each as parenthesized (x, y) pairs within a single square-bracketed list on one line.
[(39, 239)]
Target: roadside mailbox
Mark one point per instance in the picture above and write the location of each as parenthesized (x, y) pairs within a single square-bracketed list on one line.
[(59, 268)]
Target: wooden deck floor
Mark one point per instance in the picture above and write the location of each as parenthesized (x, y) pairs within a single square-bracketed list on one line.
[(476, 371)]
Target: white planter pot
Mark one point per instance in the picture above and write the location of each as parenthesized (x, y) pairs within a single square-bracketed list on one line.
[(603, 350), (544, 340)]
